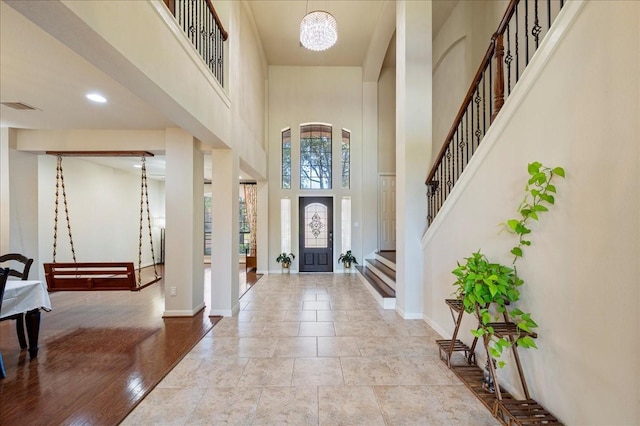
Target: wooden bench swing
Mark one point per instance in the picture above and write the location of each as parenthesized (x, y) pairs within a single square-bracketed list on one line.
[(83, 276)]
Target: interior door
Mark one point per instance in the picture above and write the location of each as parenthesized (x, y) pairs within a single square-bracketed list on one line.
[(387, 209), (316, 234)]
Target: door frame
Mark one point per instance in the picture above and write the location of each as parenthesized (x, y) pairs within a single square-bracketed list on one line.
[(301, 227)]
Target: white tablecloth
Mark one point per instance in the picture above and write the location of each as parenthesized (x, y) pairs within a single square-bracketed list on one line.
[(23, 296)]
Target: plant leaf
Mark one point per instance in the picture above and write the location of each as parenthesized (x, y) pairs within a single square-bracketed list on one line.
[(516, 251), (533, 168), (558, 171)]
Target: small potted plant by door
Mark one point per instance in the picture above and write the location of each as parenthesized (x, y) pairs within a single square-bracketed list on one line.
[(285, 260), (347, 259)]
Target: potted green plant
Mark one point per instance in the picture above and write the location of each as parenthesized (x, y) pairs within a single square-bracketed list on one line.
[(488, 289), (285, 259), (347, 259)]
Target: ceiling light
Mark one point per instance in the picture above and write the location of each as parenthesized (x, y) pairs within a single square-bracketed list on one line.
[(96, 97), (318, 30)]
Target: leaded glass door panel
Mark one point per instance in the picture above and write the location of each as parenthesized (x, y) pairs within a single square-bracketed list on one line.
[(316, 234)]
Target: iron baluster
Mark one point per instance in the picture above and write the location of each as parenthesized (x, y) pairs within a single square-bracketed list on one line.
[(548, 14), (516, 48), (526, 29), (508, 59), (478, 133), (490, 90), (484, 106), (536, 25), (466, 126)]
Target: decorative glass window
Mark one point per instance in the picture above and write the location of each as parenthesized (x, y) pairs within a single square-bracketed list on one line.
[(346, 224), (346, 159), (285, 225), (286, 159), (315, 156), (245, 230), (315, 228)]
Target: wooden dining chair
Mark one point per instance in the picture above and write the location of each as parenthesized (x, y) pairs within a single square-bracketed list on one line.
[(18, 266), (4, 274)]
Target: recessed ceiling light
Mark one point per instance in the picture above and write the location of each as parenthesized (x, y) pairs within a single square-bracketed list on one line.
[(137, 166), (96, 97)]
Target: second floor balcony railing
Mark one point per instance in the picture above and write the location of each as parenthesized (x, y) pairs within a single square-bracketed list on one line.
[(201, 24)]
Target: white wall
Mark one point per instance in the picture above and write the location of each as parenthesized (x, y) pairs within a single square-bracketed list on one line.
[(104, 208), (23, 202), (247, 87), (458, 49), (582, 270), (314, 94)]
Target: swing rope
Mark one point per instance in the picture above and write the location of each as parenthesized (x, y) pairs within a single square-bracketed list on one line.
[(60, 183), (144, 198)]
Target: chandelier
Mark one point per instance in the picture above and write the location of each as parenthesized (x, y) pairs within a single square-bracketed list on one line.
[(318, 30)]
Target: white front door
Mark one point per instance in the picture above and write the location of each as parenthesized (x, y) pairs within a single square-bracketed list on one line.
[(387, 212)]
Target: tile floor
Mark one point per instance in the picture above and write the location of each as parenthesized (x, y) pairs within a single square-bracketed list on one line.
[(312, 350)]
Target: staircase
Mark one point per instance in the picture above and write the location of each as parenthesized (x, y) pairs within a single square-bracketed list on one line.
[(379, 276)]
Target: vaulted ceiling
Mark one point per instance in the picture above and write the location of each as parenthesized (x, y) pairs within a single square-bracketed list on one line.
[(38, 70)]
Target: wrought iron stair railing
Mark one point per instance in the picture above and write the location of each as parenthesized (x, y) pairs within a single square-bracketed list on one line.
[(523, 26), (202, 25)]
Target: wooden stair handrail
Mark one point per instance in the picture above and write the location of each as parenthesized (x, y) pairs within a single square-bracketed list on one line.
[(225, 34), (488, 56)]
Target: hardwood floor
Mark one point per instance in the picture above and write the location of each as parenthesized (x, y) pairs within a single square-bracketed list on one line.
[(100, 353)]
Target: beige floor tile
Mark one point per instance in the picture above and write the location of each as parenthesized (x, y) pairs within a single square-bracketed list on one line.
[(394, 370), (317, 372), (245, 316), (256, 347), (168, 406), (313, 349), (215, 347), (397, 345), (296, 347), (364, 315), (410, 405), (229, 406), (268, 316), (288, 406), (300, 316), (281, 329), (350, 405), (237, 329), (352, 328), (261, 372), (334, 315), (323, 305), (338, 346), (461, 407), (317, 329), (218, 372)]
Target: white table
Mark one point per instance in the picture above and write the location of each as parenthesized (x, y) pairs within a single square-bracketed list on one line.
[(26, 297)]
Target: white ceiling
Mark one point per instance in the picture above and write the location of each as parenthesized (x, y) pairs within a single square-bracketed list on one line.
[(37, 69)]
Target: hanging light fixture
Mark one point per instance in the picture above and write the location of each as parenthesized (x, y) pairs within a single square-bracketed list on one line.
[(318, 30)]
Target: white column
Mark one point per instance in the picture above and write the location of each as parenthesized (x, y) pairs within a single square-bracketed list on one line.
[(263, 227), (369, 184), (184, 235), (413, 147), (225, 227)]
